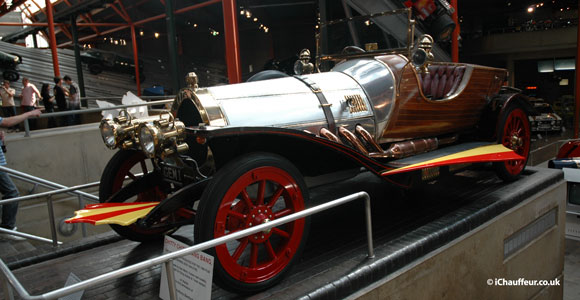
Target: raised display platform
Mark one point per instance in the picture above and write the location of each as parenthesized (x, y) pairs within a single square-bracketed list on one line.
[(443, 240)]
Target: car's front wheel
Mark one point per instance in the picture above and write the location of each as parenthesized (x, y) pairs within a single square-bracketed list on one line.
[(123, 168), (254, 189)]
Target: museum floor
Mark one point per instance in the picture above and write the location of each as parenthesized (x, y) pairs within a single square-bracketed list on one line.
[(572, 270)]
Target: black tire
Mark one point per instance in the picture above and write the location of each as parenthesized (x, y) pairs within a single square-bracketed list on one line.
[(511, 170), (95, 69), (11, 75), (109, 186), (225, 183)]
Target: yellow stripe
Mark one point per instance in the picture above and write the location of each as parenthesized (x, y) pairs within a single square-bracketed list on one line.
[(97, 211), (490, 149), (126, 219)]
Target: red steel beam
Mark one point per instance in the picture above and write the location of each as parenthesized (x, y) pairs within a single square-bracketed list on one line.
[(455, 34), (126, 18), (63, 28), (577, 91), (122, 7), (141, 22), (232, 41), (83, 17), (52, 39), (136, 58)]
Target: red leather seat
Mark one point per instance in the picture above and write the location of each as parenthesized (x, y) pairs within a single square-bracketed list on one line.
[(441, 81)]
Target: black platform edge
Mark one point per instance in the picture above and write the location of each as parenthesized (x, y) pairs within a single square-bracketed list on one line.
[(431, 237), (46, 252)]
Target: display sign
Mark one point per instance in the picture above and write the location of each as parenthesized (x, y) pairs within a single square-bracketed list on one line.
[(193, 273)]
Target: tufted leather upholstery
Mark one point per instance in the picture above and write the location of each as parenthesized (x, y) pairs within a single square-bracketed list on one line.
[(441, 81)]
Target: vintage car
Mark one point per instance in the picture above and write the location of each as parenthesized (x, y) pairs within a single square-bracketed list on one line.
[(229, 157), (546, 120), (98, 61), (8, 63)]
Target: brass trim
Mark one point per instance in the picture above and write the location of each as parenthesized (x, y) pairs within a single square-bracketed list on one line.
[(355, 103)]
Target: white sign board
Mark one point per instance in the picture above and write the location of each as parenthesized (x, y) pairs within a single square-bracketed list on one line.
[(193, 273)]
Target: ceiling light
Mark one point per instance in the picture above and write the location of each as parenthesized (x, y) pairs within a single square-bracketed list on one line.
[(157, 35)]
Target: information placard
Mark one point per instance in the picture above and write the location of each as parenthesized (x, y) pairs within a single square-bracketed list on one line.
[(193, 273)]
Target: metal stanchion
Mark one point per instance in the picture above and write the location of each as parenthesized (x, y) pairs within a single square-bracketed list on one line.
[(170, 279), (369, 226), (51, 221), (8, 294), (26, 128), (82, 206)]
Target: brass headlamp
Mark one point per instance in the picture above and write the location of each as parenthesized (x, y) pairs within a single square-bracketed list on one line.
[(162, 137), (118, 133)]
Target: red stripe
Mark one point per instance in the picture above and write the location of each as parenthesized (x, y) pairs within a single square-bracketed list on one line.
[(106, 205), (491, 157), (99, 217)]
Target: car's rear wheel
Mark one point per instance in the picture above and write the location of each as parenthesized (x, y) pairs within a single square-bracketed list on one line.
[(128, 164), (254, 189), (514, 133)]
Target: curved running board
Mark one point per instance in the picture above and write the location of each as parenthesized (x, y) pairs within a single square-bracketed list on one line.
[(452, 156), (112, 213)]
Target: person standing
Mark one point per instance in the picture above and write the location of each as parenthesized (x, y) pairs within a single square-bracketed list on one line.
[(48, 102), (7, 187), (60, 97), (74, 98), (8, 109), (29, 95)]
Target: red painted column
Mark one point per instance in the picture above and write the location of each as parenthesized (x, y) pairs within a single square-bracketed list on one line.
[(52, 37), (136, 58), (232, 41), (577, 86), (455, 34)]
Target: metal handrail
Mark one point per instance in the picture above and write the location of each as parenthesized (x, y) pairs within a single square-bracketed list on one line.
[(91, 110), (99, 109), (50, 193), (59, 189), (47, 183), (166, 259)]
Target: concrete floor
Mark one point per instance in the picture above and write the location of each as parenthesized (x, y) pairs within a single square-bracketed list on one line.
[(572, 270)]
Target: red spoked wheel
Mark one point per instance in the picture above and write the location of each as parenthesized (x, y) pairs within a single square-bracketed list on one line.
[(256, 189), (123, 168), (514, 133)]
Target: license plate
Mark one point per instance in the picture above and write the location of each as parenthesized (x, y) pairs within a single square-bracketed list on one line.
[(172, 173)]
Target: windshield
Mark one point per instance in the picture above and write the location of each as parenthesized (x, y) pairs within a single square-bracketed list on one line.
[(336, 38)]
